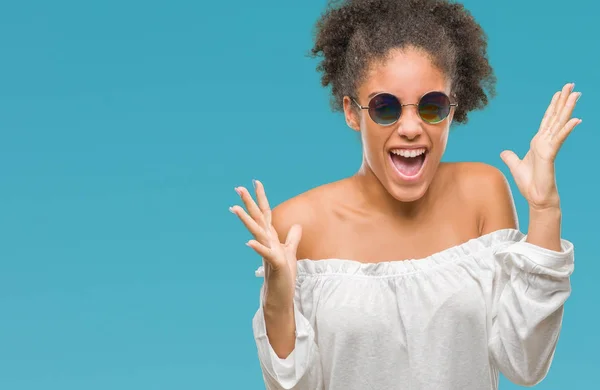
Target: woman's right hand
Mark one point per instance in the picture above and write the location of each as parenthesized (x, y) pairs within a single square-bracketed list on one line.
[(280, 259)]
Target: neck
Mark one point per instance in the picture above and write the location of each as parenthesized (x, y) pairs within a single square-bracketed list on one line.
[(375, 197)]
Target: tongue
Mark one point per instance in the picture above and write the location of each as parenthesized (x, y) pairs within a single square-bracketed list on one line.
[(408, 166)]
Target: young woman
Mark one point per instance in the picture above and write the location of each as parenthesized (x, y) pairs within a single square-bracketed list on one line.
[(412, 273)]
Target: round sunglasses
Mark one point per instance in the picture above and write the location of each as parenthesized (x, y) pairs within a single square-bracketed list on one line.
[(385, 109)]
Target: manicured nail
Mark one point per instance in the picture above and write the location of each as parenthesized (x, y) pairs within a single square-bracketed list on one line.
[(231, 210), (254, 183), (237, 189), (578, 97)]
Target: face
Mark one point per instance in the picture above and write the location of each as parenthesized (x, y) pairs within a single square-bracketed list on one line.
[(391, 152)]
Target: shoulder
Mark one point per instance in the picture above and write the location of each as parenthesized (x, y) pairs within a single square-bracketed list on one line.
[(297, 210), (479, 176), (307, 210), (488, 190), (476, 181)]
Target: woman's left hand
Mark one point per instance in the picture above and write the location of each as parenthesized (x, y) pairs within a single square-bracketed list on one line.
[(534, 174)]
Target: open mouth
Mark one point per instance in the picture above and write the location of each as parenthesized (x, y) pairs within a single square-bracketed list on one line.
[(408, 162)]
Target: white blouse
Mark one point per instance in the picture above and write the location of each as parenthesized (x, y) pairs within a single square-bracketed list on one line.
[(452, 320)]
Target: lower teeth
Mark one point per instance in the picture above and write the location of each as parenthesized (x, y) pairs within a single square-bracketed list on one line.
[(408, 166)]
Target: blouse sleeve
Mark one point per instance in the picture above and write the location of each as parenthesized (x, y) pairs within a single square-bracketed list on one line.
[(530, 290), (302, 368)]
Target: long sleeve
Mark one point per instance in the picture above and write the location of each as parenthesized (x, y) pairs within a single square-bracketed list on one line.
[(302, 368), (530, 289)]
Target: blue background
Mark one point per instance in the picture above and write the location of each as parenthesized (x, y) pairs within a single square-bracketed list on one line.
[(124, 127)]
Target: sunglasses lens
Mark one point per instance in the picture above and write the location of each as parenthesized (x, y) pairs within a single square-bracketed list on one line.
[(434, 107), (384, 109)]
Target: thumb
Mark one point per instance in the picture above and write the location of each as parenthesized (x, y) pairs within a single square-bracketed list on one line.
[(510, 159), (293, 238)]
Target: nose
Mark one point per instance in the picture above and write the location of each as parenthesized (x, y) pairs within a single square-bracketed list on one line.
[(409, 123)]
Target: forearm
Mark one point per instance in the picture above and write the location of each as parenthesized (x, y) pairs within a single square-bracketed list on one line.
[(545, 228), (279, 321), (287, 349), (281, 330), (532, 284)]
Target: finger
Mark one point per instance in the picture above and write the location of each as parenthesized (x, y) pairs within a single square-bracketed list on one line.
[(253, 227), (293, 238), (562, 135), (566, 112), (564, 95), (511, 160), (250, 205), (550, 111), (262, 250), (263, 202)]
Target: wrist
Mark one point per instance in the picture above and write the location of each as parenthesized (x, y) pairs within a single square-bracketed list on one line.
[(544, 214), (545, 227), (549, 206)]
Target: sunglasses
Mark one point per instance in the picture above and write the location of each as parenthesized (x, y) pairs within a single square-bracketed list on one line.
[(385, 109)]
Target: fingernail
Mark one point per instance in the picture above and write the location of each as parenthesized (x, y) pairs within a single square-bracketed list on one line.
[(237, 189), (231, 210), (254, 183), (578, 97)]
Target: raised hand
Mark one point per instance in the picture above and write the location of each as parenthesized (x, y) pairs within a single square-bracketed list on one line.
[(535, 174), (280, 259)]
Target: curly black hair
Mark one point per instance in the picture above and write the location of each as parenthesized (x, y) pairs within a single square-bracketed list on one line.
[(350, 34)]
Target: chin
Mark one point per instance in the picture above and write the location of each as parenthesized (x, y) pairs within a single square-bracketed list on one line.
[(406, 194)]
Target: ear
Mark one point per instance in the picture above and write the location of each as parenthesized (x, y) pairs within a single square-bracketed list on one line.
[(351, 114)]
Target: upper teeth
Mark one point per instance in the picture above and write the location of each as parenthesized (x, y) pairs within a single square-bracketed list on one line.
[(409, 152)]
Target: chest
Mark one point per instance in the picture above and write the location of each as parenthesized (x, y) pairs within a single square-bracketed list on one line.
[(372, 240), (402, 310)]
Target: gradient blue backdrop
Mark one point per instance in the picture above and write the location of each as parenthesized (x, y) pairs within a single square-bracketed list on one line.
[(125, 125)]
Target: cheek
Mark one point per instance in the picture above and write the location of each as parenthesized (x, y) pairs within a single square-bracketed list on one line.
[(441, 140), (373, 144), (373, 139)]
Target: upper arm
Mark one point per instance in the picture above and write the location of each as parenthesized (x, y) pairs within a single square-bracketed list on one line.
[(493, 198)]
